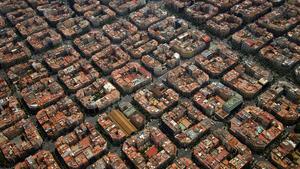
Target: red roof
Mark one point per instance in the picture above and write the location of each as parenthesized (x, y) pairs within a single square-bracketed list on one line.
[(151, 151)]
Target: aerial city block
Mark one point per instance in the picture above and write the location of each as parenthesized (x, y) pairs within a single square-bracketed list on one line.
[(149, 84)]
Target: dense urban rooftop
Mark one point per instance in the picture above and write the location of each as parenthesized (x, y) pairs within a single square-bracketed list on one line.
[(150, 84)]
